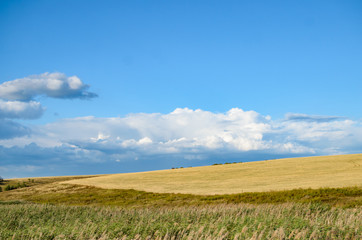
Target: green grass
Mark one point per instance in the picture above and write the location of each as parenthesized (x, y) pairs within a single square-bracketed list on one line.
[(87, 195), (222, 221), (344, 197)]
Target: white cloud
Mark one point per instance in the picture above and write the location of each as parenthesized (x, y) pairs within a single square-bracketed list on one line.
[(20, 110), (191, 135), (185, 131), (56, 85)]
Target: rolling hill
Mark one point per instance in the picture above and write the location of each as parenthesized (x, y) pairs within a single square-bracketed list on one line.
[(271, 175)]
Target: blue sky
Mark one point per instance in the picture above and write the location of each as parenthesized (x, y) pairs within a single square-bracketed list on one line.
[(158, 84)]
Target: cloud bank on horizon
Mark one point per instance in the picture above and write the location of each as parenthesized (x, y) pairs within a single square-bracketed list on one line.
[(155, 139), (197, 132)]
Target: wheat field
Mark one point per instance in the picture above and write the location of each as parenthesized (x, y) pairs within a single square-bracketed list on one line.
[(271, 175)]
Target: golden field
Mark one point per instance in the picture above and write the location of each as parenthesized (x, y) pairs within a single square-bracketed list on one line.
[(272, 175)]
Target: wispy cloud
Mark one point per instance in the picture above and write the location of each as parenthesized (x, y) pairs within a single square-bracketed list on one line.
[(55, 85), (10, 129), (310, 118)]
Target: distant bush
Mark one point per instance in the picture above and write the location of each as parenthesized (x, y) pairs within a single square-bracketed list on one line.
[(1, 189), (1, 179), (179, 167), (215, 164), (18, 185), (22, 185)]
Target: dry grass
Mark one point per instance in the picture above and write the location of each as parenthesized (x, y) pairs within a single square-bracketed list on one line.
[(282, 174), (223, 221)]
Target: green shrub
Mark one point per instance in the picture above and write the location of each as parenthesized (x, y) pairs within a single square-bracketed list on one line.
[(22, 185), (18, 185)]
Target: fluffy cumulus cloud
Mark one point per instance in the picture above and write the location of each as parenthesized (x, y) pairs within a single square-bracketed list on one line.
[(56, 85), (184, 135), (20, 110), (178, 131), (198, 132), (17, 99)]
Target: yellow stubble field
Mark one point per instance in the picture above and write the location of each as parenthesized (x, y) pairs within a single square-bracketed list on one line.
[(261, 176)]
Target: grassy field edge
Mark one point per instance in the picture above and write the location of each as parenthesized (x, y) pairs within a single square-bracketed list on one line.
[(68, 194)]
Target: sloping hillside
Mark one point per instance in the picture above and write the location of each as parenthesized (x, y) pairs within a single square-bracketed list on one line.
[(281, 174)]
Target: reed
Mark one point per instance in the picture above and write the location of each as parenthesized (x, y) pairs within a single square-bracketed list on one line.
[(222, 221)]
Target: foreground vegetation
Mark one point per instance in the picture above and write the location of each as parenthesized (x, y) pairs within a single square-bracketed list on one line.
[(221, 221), (50, 210)]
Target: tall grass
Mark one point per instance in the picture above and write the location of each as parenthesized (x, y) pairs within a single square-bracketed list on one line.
[(222, 221)]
